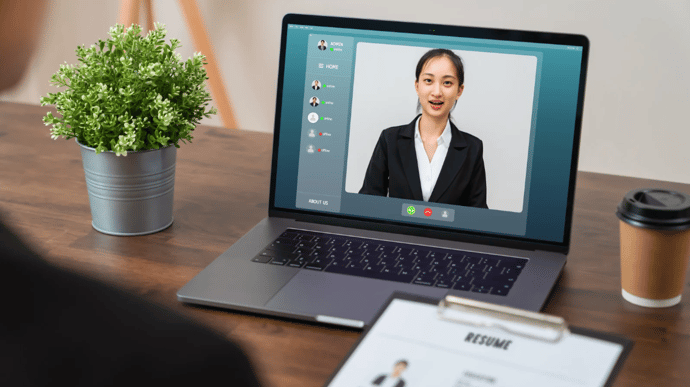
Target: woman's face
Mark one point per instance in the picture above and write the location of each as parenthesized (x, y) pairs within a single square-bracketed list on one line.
[(438, 87)]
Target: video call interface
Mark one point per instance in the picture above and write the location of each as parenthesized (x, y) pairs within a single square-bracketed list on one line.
[(351, 103)]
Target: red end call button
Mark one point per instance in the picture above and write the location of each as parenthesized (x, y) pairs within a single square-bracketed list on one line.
[(427, 211)]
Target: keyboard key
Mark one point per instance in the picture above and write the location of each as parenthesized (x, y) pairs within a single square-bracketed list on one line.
[(320, 261), (372, 254), (318, 253), (459, 278), (419, 253), (302, 251), (444, 283), (418, 267), (506, 271), (288, 235), (296, 263), (388, 255), (385, 249), (261, 259), (408, 273), (286, 242), (341, 268), (339, 249), (472, 259), (336, 255), (480, 289), (495, 282), (457, 265), (280, 247), (425, 278), (390, 270), (405, 265), (500, 291), (404, 251), (357, 252), (278, 253), (306, 244), (422, 265), (462, 286), (357, 265), (279, 261), (405, 258)]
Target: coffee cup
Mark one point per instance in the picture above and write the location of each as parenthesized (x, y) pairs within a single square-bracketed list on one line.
[(654, 246)]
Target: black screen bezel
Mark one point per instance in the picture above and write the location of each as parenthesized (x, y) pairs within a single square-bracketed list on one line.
[(437, 30)]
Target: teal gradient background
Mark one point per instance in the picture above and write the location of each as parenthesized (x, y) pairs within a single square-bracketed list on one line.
[(553, 142)]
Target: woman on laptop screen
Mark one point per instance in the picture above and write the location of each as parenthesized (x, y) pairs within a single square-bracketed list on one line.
[(430, 159)]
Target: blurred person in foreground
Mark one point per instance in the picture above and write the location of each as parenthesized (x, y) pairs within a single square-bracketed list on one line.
[(58, 327)]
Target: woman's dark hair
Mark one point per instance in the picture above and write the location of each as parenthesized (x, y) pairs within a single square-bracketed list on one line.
[(457, 62), (438, 52)]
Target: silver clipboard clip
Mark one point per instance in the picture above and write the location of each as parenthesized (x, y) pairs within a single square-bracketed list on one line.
[(503, 313)]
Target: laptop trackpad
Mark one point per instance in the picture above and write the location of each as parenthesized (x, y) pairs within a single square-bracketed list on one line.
[(314, 293)]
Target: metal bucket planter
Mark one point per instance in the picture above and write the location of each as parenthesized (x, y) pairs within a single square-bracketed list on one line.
[(133, 194)]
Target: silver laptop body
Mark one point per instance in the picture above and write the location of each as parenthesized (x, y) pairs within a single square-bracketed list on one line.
[(341, 83)]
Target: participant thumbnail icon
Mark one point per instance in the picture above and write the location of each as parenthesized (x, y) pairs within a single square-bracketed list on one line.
[(316, 85), (323, 45), (312, 133), (314, 101), (313, 117)]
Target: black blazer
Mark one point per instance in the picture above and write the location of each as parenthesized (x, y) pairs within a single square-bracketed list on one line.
[(381, 378), (393, 169)]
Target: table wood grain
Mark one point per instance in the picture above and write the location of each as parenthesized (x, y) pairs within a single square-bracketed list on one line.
[(221, 191)]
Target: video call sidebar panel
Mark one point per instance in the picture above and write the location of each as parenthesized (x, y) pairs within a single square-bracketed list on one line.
[(324, 122)]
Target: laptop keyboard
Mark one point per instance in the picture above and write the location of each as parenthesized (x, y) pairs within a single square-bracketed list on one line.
[(394, 261)]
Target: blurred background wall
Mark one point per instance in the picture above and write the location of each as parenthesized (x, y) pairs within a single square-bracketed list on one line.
[(637, 97)]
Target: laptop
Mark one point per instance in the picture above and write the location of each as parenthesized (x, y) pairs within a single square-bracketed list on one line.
[(352, 215)]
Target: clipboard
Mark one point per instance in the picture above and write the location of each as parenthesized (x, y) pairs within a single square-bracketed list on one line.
[(457, 342)]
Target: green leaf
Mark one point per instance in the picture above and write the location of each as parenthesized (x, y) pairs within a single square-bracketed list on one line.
[(129, 92)]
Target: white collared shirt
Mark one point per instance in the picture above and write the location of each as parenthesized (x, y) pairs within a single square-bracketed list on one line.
[(429, 170)]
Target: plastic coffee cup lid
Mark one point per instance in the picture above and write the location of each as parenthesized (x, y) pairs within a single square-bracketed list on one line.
[(655, 208)]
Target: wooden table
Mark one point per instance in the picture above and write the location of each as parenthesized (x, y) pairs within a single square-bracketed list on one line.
[(221, 191)]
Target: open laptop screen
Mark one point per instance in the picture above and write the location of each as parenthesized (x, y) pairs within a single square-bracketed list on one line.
[(512, 142)]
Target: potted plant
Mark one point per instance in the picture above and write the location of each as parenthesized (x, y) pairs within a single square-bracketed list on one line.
[(129, 102)]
